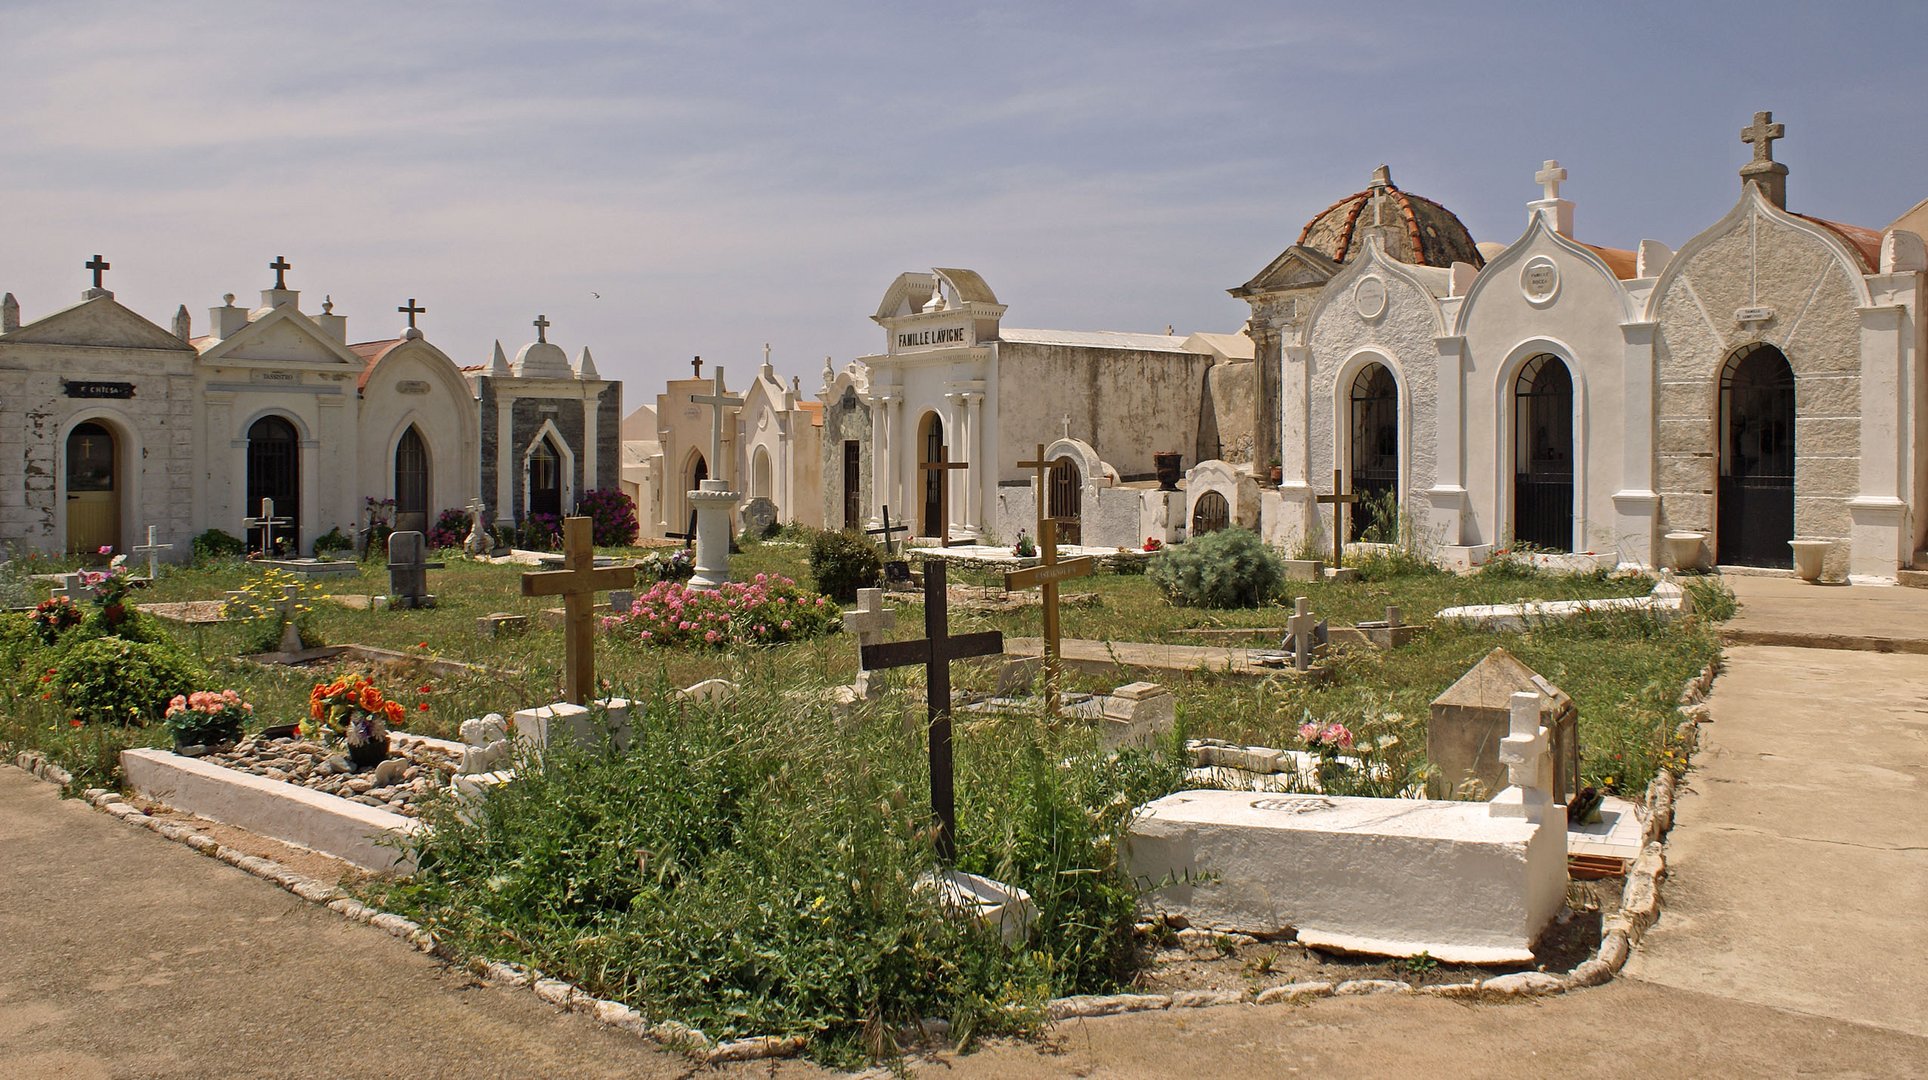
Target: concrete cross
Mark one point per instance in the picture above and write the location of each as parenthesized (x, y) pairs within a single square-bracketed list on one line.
[(935, 653), (411, 311), (942, 465), (1045, 577), (1301, 626), (717, 401), (870, 621), (577, 583), (281, 266), (1529, 767), (96, 264), (1394, 616), (1549, 178), (542, 329), (290, 633), (1762, 133), (152, 550), (1067, 429), (266, 523), (1338, 500), (70, 587)]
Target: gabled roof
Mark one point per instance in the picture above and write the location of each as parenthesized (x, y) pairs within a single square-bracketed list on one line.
[(223, 350), (1295, 267), (100, 322)]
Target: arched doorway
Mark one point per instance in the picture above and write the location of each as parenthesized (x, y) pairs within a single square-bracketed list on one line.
[(760, 474), (411, 482), (1543, 455), (1755, 509), (1375, 454), (1064, 500), (545, 479), (930, 448), (853, 502), (274, 472), (93, 488), (1210, 513)]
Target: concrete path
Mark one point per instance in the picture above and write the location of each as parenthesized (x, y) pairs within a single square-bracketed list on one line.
[(1798, 865), (1787, 611)]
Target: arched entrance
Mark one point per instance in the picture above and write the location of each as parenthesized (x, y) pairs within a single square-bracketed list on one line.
[(930, 448), (274, 472), (411, 482), (1210, 514), (1543, 455), (1755, 509), (1064, 500), (853, 502), (545, 479), (1375, 454), (760, 474), (93, 488)]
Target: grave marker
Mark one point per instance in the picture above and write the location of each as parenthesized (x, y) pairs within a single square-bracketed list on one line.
[(408, 568), (478, 542), (713, 499), (266, 522), (70, 587), (1338, 500), (1301, 627), (870, 620), (890, 546), (942, 465), (152, 550), (577, 583), (935, 652), (1045, 577)]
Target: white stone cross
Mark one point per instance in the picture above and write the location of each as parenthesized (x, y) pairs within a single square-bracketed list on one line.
[(717, 401), (1067, 425), (152, 550), (870, 621), (290, 634), (266, 523), (1549, 178), (1529, 767), (70, 588), (1301, 626)]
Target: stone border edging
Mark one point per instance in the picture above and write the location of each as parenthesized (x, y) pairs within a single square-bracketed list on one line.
[(1621, 932)]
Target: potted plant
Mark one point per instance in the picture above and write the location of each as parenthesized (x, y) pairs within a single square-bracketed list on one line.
[(1025, 548), (53, 615), (1169, 465), (206, 718), (109, 589), (1325, 741), (1276, 472), (353, 711)]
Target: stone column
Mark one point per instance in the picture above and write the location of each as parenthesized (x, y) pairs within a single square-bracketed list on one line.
[(1881, 540), (504, 456), (714, 502), (961, 439), (1267, 413), (881, 470), (588, 445), (986, 477), (1448, 495), (1636, 508)]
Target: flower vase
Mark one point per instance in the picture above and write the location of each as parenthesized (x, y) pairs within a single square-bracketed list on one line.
[(1331, 770), (369, 753)]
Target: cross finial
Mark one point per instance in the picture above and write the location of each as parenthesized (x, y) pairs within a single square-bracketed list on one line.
[(542, 329), (97, 264), (696, 366), (1067, 425), (281, 266), (1549, 178), (411, 311), (1762, 133), (766, 352)]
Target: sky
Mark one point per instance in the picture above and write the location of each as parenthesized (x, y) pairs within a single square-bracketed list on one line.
[(668, 180)]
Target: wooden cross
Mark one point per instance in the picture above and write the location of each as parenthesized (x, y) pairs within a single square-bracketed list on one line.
[(940, 467), (687, 538), (1549, 178), (890, 546), (1338, 500), (1762, 133), (1301, 627), (96, 264), (717, 401), (152, 550), (1045, 577), (542, 329), (266, 523), (281, 266), (411, 311), (1041, 467), (577, 583), (696, 365), (936, 652)]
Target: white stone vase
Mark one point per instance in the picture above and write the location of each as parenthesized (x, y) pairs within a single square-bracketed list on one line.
[(1683, 549), (1809, 557)]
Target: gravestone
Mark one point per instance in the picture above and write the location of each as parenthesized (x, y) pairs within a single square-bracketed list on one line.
[(1303, 634), (759, 518), (408, 568), (71, 588), (1473, 717), (621, 601), (479, 542), (152, 549), (502, 624), (1137, 714), (870, 620)]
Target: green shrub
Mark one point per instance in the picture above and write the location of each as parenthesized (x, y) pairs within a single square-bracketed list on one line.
[(843, 562), (1230, 568), (331, 542), (113, 680), (215, 544)]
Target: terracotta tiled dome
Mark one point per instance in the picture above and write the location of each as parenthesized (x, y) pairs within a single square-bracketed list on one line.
[(1417, 230)]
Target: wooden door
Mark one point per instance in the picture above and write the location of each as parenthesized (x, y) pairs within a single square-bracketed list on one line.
[(93, 489)]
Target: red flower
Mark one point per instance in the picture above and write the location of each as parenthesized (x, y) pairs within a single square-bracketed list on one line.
[(421, 644), (425, 689), (73, 723), (423, 707)]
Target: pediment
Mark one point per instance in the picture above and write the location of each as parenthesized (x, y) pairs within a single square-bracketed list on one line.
[(100, 322), (1296, 267), (281, 336)]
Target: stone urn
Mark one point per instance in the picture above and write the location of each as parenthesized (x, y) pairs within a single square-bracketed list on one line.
[(1170, 465), (1809, 557), (1683, 549)]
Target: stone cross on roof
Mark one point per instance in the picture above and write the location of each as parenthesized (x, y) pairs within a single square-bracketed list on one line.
[(281, 266), (411, 310), (696, 365), (1762, 133), (542, 329), (1549, 178), (97, 264)]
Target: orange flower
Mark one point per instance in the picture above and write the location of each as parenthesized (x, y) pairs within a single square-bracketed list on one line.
[(371, 699), (394, 712), (317, 710)]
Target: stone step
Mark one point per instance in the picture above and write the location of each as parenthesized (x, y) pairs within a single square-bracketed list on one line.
[(1917, 579)]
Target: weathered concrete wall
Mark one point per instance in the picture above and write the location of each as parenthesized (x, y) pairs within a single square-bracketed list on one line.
[(846, 417), (1225, 422), (1126, 403)]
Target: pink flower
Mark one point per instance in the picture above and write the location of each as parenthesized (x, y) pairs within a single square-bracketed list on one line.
[(105, 549), (1308, 733)]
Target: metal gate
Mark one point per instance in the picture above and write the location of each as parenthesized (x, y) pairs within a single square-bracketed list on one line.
[(932, 523), (1065, 501), (411, 482), (545, 480), (853, 502), (1543, 480), (1210, 513), (1755, 507), (274, 472), (1375, 453)]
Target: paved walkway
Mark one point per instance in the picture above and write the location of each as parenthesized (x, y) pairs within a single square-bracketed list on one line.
[(1787, 611)]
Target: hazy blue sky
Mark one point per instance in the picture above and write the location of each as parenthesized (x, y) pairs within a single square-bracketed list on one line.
[(730, 174)]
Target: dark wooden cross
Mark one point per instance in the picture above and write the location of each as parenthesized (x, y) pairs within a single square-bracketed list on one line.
[(935, 653), (1338, 500), (411, 311), (1762, 133), (696, 365), (542, 329), (687, 538), (577, 583), (890, 546), (1045, 577), (281, 266), (940, 467), (97, 264)]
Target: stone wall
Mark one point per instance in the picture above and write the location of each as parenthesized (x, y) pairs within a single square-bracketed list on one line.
[(609, 438), (845, 418), (1127, 403)]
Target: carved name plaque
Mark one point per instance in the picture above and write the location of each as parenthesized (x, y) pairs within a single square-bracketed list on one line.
[(1753, 314), (1539, 280), (79, 388), (935, 336), (412, 386), (1294, 804)]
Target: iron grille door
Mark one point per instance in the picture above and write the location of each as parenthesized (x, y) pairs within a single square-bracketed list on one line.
[(1065, 501), (411, 482), (1755, 506), (853, 509), (1543, 485), (274, 472), (1375, 452)]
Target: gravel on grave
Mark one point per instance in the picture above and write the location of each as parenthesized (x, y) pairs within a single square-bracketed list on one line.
[(298, 761)]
